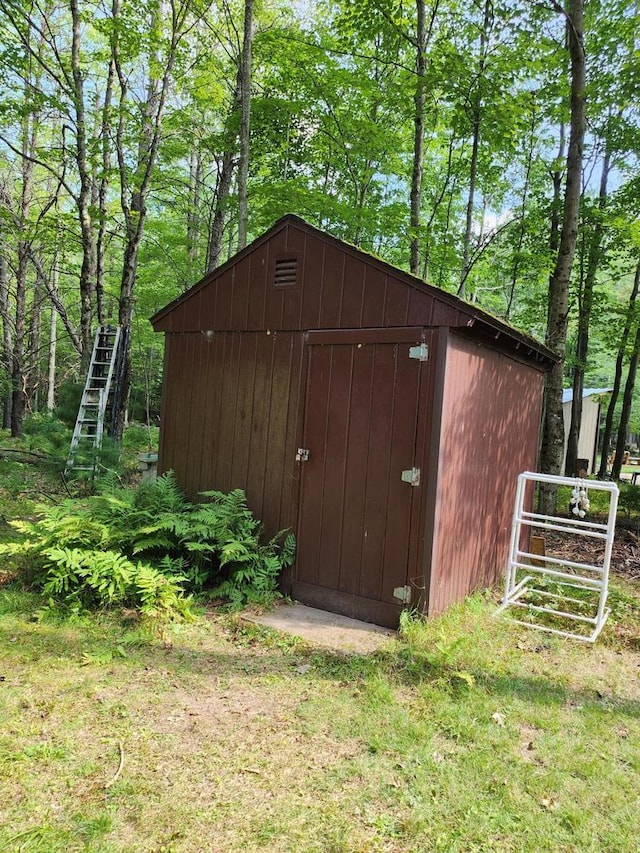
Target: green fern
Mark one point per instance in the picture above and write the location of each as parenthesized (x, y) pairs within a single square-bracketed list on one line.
[(84, 550)]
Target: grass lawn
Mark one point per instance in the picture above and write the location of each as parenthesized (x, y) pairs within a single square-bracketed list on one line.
[(469, 734), (466, 734)]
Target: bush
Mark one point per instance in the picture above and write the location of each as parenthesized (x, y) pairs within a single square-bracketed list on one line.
[(629, 500), (145, 548)]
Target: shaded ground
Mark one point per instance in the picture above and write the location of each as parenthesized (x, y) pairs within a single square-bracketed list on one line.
[(467, 735)]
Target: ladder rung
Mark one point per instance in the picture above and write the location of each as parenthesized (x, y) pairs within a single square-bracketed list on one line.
[(97, 398)]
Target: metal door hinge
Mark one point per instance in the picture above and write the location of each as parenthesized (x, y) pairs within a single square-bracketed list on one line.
[(421, 352), (411, 476), (302, 455), (403, 593)]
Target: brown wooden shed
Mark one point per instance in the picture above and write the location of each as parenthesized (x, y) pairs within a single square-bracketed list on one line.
[(383, 420)]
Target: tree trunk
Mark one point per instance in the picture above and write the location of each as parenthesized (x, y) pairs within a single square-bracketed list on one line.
[(419, 100), (585, 303), (245, 118), (475, 146), (627, 400), (617, 381), (103, 188), (83, 200), (18, 401), (517, 255), (134, 188), (193, 212), (558, 310), (32, 373), (53, 346), (225, 177), (7, 346)]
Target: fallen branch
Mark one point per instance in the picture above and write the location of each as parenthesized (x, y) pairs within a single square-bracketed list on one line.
[(25, 452), (114, 778)]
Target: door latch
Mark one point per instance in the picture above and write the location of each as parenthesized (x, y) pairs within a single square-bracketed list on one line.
[(302, 455)]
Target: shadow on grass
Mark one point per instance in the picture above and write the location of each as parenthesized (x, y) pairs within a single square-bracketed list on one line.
[(244, 651)]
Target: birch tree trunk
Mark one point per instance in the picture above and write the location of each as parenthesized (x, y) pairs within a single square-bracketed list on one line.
[(32, 371), (585, 305), (558, 310), (135, 184), (53, 342), (18, 379), (419, 100), (245, 124), (476, 117), (7, 346), (88, 266)]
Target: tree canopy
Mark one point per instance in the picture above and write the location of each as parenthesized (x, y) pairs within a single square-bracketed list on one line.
[(141, 143)]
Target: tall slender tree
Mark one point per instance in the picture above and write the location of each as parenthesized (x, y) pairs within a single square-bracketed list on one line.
[(558, 306)]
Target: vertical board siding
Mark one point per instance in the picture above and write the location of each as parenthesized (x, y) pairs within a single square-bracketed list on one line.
[(228, 414), (292, 301), (353, 293), (243, 420), (402, 456), (355, 485), (489, 434), (242, 390), (195, 445), (335, 289), (313, 284), (242, 272), (332, 286), (374, 297), (258, 281), (334, 463), (588, 429), (354, 527), (396, 309)]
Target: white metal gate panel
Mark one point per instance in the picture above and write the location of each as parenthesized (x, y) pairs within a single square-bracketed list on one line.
[(565, 592)]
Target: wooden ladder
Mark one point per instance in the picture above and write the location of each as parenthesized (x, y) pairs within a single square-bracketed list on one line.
[(97, 402)]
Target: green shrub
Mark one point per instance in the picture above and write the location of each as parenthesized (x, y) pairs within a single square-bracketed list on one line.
[(46, 434), (140, 438), (629, 500), (143, 548)]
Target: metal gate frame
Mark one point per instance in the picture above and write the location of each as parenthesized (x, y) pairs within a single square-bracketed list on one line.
[(539, 569)]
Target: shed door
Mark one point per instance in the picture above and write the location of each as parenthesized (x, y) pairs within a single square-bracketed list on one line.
[(355, 520)]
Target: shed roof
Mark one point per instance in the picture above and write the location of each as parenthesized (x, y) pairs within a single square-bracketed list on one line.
[(454, 312), (567, 394)]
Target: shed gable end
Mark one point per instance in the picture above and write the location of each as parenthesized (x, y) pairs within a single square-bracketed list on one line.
[(298, 279)]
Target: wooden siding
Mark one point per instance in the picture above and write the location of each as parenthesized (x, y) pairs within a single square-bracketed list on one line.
[(300, 323), (491, 406), (337, 287), (230, 409), (356, 522)]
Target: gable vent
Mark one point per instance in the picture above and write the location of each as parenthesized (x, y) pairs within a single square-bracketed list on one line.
[(285, 272)]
